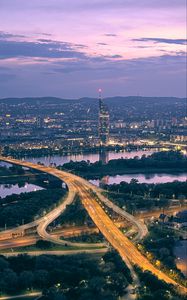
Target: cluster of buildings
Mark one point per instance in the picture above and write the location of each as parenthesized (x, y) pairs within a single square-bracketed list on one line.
[(39, 132), (88, 123)]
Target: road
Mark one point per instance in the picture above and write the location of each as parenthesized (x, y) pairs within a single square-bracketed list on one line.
[(127, 250), (79, 230), (156, 213), (69, 179), (30, 295), (72, 231), (57, 252), (122, 244), (142, 228)]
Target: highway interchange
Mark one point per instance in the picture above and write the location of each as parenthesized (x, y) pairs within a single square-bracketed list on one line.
[(91, 199)]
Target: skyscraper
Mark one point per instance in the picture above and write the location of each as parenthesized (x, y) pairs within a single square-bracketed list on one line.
[(104, 124)]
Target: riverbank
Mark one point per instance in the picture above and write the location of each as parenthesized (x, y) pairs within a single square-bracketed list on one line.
[(142, 178), (27, 153), (98, 175), (158, 162)]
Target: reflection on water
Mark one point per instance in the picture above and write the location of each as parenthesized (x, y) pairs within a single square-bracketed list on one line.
[(104, 157), (142, 178), (92, 157), (104, 180), (180, 251), (9, 189)]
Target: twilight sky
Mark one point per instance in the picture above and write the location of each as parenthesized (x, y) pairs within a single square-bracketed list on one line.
[(70, 48)]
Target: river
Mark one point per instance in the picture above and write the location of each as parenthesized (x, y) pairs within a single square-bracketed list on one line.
[(9, 189), (142, 178), (92, 157)]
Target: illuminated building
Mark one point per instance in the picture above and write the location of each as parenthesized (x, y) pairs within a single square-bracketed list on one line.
[(104, 124)]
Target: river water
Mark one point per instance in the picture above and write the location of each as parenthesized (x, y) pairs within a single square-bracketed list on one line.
[(142, 178), (9, 189), (92, 157)]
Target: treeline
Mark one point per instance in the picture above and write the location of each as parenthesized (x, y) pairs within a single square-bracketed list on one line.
[(175, 189), (87, 238), (136, 196), (65, 150), (78, 277), (165, 160), (18, 209), (11, 170)]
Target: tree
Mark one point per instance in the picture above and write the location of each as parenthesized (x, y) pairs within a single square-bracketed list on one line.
[(53, 294), (97, 284), (26, 279), (3, 264), (164, 252), (10, 279), (43, 244), (41, 278), (118, 283)]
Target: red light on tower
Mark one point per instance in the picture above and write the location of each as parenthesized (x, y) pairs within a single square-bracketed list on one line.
[(100, 91)]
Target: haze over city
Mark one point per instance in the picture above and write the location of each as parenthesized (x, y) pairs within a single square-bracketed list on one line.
[(71, 48)]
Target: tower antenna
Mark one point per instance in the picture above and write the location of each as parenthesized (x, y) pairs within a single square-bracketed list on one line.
[(100, 91)]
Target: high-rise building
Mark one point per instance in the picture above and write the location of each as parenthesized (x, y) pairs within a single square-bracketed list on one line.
[(104, 123)]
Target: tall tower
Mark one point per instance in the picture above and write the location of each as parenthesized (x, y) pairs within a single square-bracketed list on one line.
[(104, 123)]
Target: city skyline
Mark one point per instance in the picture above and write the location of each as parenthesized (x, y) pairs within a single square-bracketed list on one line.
[(55, 48)]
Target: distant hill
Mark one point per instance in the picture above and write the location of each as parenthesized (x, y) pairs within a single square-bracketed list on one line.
[(110, 101), (35, 100)]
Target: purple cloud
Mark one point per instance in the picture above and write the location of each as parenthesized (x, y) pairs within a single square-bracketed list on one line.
[(42, 49), (162, 40), (110, 34)]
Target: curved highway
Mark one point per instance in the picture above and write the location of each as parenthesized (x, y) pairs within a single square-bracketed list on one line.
[(42, 223), (127, 250)]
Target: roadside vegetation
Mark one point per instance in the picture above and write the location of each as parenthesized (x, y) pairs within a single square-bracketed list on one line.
[(158, 248), (42, 245), (136, 196), (87, 238), (24, 208), (74, 214), (151, 288)]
